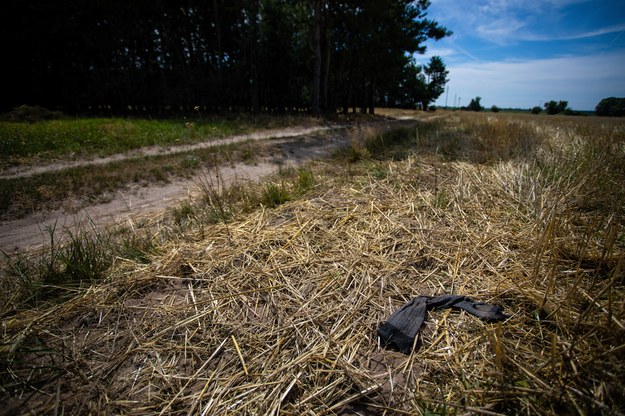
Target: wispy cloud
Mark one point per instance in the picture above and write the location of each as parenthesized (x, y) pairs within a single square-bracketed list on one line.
[(443, 52), (508, 21), (500, 29), (451, 51), (576, 35), (490, 20)]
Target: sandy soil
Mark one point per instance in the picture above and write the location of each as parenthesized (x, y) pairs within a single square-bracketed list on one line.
[(128, 205), (25, 171), (296, 146)]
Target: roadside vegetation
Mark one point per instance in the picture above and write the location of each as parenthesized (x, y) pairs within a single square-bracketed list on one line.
[(43, 141), (34, 136), (77, 186), (265, 298)]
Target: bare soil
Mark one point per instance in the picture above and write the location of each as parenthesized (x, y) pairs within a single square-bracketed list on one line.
[(296, 145)]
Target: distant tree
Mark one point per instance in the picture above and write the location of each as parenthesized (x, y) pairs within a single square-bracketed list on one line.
[(570, 112), (611, 107), (536, 110), (494, 109), (436, 74), (475, 105), (553, 107)]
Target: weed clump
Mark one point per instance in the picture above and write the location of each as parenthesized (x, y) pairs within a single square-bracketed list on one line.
[(274, 194), (67, 265), (64, 268)]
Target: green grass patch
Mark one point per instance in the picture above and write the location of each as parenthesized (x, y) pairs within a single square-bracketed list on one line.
[(23, 142), (305, 180), (70, 262), (63, 268), (221, 203), (275, 194)]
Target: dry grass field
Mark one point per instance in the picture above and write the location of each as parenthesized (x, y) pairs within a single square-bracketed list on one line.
[(265, 300)]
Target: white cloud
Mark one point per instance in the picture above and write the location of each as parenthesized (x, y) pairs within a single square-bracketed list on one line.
[(582, 81), (452, 51), (577, 35), (500, 29), (475, 54)]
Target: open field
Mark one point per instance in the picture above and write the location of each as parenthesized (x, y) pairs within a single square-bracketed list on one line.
[(264, 299)]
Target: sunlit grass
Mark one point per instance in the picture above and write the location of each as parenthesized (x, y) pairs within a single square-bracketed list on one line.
[(23, 143)]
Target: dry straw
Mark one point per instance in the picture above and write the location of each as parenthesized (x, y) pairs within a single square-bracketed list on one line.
[(276, 312)]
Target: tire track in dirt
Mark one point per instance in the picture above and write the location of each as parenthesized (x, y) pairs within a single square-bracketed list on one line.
[(26, 171), (129, 205), (297, 146)]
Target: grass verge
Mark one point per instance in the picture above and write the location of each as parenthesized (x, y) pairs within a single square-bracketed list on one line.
[(41, 141), (21, 196)]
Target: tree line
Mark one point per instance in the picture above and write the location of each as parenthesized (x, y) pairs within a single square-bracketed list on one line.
[(607, 107), (158, 56)]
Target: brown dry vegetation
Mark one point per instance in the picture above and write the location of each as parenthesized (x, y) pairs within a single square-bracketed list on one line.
[(275, 311)]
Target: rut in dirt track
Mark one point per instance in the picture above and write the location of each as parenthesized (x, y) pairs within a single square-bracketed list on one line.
[(26, 171), (297, 146)]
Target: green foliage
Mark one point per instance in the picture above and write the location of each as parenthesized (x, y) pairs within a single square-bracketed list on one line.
[(135, 247), (377, 171), (86, 257), (274, 195), (353, 154), (138, 59), (66, 266), (182, 213), (611, 107), (436, 74), (475, 105), (553, 107), (69, 264), (305, 180), (190, 162), (417, 86), (536, 110), (395, 144), (106, 136), (494, 109)]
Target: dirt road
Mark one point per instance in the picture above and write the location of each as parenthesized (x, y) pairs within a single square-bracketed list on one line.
[(25, 171), (296, 146)]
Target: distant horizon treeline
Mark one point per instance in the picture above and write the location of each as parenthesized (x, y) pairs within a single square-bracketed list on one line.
[(107, 56)]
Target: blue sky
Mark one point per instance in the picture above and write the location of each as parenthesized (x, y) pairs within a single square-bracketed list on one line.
[(521, 53)]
